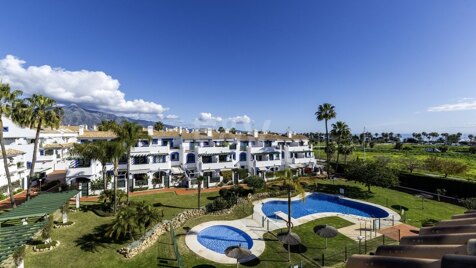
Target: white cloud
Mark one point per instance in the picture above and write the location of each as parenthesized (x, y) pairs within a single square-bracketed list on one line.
[(208, 117), (92, 89), (240, 119), (464, 104), (168, 117)]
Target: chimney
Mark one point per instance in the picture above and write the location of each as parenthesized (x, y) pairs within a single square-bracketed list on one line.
[(81, 129), (290, 134), (209, 132), (180, 130), (227, 130), (150, 130), (255, 133), (95, 128)]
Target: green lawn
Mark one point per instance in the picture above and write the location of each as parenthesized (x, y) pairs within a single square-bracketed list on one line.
[(457, 153), (82, 245)]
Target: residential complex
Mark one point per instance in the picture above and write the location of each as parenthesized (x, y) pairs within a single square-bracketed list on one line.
[(171, 157)]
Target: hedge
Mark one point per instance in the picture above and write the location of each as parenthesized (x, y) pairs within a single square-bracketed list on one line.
[(454, 188)]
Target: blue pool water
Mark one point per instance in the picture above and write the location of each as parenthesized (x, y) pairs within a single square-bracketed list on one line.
[(220, 237), (318, 203)]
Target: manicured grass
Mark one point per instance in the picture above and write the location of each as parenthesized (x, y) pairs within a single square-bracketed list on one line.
[(82, 245), (457, 153)]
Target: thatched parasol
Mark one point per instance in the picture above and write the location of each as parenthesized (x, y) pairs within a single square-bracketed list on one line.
[(238, 253), (326, 231), (290, 239)]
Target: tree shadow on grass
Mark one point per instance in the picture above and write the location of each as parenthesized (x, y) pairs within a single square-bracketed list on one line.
[(158, 205), (296, 248), (91, 242), (252, 263), (204, 266), (350, 191)]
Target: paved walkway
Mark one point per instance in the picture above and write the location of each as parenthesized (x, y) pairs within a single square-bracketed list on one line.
[(398, 231), (178, 191), (19, 199)]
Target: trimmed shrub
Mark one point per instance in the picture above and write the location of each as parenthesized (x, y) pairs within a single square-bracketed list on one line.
[(255, 182)]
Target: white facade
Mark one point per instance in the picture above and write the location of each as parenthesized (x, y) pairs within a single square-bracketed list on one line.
[(169, 158)]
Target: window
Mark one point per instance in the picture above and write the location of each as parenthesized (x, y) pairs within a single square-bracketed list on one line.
[(207, 159), (155, 141), (223, 158), (267, 144), (5, 129), (159, 159), (28, 164), (233, 155), (42, 152), (243, 157), (139, 160), (174, 156), (190, 158), (79, 163), (282, 154)]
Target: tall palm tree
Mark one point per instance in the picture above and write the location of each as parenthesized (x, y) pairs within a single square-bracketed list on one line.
[(9, 103), (115, 150), (326, 112), (341, 132), (97, 150), (128, 133), (42, 112), (200, 180)]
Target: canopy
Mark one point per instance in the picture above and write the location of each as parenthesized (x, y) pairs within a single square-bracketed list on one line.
[(291, 238)]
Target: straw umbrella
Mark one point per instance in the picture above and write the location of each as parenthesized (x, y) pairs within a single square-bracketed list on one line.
[(290, 239), (326, 231), (238, 253)]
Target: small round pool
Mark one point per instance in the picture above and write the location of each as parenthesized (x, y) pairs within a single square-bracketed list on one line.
[(220, 237)]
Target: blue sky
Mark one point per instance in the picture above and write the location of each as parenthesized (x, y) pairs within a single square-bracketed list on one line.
[(400, 66)]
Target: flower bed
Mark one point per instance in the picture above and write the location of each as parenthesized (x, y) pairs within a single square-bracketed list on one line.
[(62, 225), (46, 247)]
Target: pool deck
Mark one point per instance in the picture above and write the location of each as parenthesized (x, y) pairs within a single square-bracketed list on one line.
[(258, 224)]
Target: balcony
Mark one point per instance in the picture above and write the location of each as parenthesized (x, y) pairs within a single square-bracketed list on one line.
[(150, 150), (267, 163), (303, 160), (217, 165), (41, 158), (213, 150), (262, 150), (304, 148)]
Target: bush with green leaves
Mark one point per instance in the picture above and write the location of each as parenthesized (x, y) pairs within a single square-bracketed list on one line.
[(47, 229), (133, 220), (255, 182), (469, 203), (97, 184), (107, 198), (372, 173)]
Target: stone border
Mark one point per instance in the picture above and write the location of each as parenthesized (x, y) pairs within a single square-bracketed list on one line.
[(61, 225), (259, 204), (191, 240), (35, 249)]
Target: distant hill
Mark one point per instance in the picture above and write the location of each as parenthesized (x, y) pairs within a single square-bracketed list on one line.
[(75, 115)]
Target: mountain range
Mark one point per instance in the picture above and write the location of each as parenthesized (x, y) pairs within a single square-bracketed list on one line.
[(76, 115)]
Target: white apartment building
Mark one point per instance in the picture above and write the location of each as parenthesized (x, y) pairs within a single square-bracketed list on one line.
[(52, 155), (173, 157), (176, 157)]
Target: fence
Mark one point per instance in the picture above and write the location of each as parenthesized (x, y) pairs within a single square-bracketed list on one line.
[(364, 246)]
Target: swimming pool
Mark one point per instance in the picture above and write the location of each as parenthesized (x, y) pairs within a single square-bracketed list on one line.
[(220, 237), (320, 203)]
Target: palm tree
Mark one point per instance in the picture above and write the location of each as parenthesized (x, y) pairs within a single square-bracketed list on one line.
[(9, 108), (346, 149), (42, 112), (200, 180), (115, 150), (159, 126), (124, 224), (326, 112), (341, 132), (94, 151), (128, 133)]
